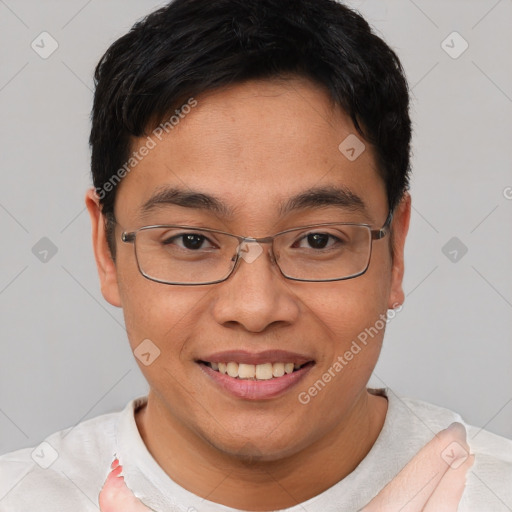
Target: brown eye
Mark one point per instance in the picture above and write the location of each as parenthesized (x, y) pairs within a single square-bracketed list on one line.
[(190, 241), (318, 241)]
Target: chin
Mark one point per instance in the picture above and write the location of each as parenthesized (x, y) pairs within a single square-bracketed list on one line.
[(258, 448)]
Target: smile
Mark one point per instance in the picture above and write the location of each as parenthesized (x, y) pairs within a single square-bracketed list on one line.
[(263, 376), (264, 371)]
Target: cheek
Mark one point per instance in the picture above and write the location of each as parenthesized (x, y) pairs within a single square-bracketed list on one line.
[(166, 315), (352, 315), (348, 307)]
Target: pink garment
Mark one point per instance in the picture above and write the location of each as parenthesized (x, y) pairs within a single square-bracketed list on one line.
[(115, 495), (432, 481)]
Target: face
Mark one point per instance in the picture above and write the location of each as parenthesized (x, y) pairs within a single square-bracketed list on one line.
[(253, 147)]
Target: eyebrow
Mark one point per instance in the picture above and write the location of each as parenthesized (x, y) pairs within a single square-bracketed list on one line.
[(168, 196), (324, 196), (315, 197)]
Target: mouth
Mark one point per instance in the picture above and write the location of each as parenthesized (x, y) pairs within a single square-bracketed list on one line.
[(264, 371), (258, 376)]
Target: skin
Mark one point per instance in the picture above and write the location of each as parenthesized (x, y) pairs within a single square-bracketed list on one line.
[(432, 481), (254, 145)]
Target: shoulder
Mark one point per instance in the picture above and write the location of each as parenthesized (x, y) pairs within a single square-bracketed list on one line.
[(67, 468), (481, 441), (489, 481)]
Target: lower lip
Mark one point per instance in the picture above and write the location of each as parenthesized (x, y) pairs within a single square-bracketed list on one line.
[(256, 389)]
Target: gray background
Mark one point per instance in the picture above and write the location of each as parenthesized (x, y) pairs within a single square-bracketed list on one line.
[(64, 352)]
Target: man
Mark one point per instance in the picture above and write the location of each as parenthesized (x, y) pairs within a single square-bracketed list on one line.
[(249, 213)]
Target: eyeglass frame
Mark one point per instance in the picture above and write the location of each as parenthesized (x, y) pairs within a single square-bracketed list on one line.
[(376, 234)]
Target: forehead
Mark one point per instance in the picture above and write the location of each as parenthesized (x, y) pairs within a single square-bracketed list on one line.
[(252, 147)]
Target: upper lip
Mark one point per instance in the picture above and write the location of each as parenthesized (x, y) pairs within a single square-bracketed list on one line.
[(266, 356)]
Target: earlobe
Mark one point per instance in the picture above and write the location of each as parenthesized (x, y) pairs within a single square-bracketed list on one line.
[(104, 263), (400, 228)]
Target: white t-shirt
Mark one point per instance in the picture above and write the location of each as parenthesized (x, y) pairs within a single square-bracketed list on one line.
[(67, 471)]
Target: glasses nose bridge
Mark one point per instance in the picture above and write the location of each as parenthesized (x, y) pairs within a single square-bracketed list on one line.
[(243, 241), (262, 240)]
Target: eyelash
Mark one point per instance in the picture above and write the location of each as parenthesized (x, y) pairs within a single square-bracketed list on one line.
[(170, 240)]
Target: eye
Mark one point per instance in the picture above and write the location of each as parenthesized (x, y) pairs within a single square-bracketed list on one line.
[(319, 241), (190, 241)]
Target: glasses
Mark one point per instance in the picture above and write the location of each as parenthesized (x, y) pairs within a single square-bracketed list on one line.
[(185, 255)]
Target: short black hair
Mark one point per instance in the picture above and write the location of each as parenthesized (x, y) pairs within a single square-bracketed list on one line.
[(193, 46)]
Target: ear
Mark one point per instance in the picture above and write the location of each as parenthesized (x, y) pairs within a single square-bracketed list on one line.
[(104, 262), (400, 227)]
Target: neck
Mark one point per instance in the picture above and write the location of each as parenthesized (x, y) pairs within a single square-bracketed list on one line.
[(254, 485)]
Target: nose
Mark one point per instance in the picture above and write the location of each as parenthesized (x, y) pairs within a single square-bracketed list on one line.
[(256, 295)]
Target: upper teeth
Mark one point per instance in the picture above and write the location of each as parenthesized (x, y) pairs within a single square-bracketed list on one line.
[(263, 371)]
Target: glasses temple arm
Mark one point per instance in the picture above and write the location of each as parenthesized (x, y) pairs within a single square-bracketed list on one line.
[(384, 230)]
